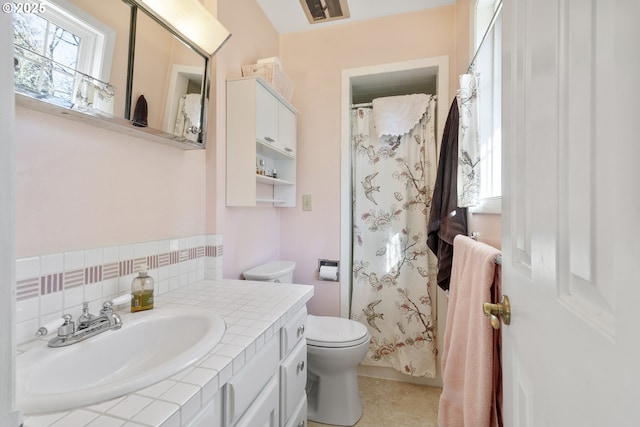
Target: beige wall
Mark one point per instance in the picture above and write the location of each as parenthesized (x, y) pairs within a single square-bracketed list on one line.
[(488, 228), (80, 187)]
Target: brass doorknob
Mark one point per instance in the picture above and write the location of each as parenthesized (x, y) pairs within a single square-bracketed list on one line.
[(496, 311)]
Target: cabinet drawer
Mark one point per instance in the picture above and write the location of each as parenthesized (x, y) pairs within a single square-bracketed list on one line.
[(293, 379), (242, 389), (293, 331), (299, 416)]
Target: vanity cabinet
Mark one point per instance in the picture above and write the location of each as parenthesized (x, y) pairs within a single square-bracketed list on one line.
[(261, 126)]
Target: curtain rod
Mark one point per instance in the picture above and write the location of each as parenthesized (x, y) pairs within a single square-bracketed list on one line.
[(484, 37)]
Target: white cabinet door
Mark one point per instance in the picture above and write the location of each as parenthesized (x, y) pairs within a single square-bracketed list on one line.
[(571, 243), (299, 416), (264, 410), (286, 130), (266, 116), (242, 389)]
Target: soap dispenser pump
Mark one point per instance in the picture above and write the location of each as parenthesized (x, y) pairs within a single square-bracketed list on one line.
[(142, 291)]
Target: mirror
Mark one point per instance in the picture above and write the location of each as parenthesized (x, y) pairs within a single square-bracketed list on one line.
[(170, 75), (98, 57)]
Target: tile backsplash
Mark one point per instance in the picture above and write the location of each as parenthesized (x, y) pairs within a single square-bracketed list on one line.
[(50, 285)]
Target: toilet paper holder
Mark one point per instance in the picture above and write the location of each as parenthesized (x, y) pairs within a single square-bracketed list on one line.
[(329, 263)]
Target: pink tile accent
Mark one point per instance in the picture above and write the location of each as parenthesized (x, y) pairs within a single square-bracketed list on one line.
[(125, 267), (138, 263), (50, 283), (110, 271), (93, 274), (73, 278), (164, 259), (152, 261), (27, 288)]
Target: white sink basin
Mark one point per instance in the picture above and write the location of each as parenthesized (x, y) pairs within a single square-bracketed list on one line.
[(150, 347)]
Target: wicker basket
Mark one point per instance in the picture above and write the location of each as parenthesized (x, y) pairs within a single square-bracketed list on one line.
[(274, 75)]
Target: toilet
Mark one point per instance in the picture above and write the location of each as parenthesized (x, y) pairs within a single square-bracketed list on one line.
[(335, 348)]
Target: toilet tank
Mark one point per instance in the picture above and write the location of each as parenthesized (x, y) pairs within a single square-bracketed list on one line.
[(274, 271)]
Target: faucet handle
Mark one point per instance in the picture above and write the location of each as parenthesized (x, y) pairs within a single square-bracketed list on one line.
[(68, 327), (108, 305), (85, 316), (121, 299), (49, 327)]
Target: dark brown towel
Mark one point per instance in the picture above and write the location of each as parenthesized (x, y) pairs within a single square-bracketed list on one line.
[(446, 220), (140, 112)]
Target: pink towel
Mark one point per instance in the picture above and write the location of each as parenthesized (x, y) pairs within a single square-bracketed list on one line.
[(470, 365)]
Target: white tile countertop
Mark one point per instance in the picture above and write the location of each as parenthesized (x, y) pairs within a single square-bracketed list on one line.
[(253, 313)]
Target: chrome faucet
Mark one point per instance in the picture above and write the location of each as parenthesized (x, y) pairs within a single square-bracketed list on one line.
[(88, 325)]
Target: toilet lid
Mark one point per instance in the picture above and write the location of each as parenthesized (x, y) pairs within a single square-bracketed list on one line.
[(270, 270), (334, 332)]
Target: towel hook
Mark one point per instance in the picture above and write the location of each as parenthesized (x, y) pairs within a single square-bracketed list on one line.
[(496, 311)]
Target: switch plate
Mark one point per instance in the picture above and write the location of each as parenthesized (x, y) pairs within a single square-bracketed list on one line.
[(306, 202)]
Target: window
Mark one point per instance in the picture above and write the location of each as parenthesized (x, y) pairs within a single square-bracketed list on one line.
[(51, 43), (487, 63)]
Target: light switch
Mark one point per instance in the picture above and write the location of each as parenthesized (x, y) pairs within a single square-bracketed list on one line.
[(306, 202)]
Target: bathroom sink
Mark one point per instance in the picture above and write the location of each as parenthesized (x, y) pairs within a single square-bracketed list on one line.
[(150, 346)]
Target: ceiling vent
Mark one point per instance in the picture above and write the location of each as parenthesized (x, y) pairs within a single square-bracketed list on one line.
[(325, 10)]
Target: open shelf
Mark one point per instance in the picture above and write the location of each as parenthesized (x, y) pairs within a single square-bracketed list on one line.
[(263, 179)]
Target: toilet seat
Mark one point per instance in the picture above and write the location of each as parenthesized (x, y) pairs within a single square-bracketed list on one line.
[(334, 332)]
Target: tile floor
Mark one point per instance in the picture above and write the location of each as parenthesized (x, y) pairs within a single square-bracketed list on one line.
[(392, 403)]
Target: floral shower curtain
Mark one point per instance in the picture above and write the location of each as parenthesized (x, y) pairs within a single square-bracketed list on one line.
[(393, 178)]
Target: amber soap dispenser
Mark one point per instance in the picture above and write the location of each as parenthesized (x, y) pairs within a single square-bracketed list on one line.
[(142, 291)]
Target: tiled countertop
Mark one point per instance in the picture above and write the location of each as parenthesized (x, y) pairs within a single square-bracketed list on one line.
[(253, 312)]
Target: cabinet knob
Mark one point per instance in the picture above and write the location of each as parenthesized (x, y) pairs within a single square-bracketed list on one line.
[(301, 423), (301, 330), (269, 139), (289, 150), (301, 366)]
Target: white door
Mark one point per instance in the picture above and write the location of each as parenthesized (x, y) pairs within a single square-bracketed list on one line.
[(571, 208)]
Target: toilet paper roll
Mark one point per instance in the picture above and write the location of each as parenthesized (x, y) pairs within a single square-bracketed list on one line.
[(328, 272)]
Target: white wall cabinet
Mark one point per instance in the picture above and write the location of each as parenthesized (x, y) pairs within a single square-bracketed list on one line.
[(261, 125)]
